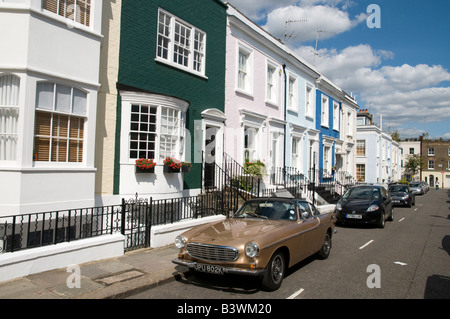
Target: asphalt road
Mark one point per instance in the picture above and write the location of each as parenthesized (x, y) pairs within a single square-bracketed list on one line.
[(408, 259)]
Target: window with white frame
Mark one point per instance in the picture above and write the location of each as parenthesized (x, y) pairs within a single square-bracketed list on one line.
[(75, 10), (180, 44), (327, 159), (361, 172), (155, 132), (325, 111), (336, 116), (360, 148), (309, 101), (272, 84), (296, 152), (431, 151), (143, 131), (245, 70), (59, 123), (250, 142), (292, 93), (9, 115), (431, 164), (349, 124)]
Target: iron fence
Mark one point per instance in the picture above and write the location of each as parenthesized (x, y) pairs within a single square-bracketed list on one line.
[(41, 229), (133, 218)]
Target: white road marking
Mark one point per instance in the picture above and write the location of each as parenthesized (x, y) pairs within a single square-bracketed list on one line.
[(401, 219), (295, 294), (400, 263), (366, 244)]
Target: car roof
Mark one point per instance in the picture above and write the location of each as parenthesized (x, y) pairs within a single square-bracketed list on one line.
[(280, 199), (367, 185)]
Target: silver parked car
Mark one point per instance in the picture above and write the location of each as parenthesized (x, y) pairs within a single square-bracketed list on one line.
[(417, 188)]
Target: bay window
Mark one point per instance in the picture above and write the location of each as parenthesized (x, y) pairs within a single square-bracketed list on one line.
[(59, 123), (75, 10), (9, 114), (153, 127)]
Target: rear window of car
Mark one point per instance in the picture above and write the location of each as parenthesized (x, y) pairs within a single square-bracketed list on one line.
[(362, 193), (398, 189)]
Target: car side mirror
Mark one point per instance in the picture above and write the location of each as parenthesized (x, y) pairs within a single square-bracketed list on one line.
[(305, 215)]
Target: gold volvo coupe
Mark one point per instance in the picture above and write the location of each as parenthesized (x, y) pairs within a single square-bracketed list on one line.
[(263, 238)]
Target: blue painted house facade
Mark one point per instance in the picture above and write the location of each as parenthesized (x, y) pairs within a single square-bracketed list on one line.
[(328, 122)]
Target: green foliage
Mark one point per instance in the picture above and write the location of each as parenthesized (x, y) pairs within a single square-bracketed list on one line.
[(257, 168)]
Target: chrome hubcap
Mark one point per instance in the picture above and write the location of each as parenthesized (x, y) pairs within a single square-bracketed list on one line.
[(277, 269)]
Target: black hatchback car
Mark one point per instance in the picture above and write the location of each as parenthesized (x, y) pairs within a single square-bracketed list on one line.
[(368, 204), (402, 195)]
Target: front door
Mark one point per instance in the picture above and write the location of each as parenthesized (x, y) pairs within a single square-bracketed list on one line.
[(210, 156)]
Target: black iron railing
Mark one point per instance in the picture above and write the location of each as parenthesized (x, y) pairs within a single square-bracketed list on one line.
[(41, 229)]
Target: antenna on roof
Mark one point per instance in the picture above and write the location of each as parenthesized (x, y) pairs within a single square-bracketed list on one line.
[(286, 24), (317, 40)]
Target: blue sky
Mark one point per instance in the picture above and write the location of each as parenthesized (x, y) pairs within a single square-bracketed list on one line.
[(400, 70)]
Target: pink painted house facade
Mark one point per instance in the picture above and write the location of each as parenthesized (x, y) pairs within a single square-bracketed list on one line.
[(254, 95)]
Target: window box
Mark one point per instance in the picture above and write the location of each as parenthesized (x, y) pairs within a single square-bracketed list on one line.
[(144, 165), (186, 167), (169, 169), (145, 170), (172, 165)]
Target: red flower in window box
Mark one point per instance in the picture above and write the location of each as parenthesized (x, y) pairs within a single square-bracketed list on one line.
[(171, 165), (144, 165)]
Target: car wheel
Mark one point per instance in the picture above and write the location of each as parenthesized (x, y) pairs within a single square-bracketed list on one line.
[(324, 252), (273, 277), (391, 216), (382, 221)]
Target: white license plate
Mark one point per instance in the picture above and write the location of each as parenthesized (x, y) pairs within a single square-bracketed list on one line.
[(354, 216), (212, 269)]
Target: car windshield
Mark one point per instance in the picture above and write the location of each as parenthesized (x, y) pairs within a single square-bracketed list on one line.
[(414, 185), (267, 209), (398, 188), (362, 193)]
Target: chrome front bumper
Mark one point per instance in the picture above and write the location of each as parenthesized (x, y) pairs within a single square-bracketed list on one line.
[(228, 270)]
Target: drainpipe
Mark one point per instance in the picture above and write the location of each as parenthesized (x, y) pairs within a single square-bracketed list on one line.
[(285, 108)]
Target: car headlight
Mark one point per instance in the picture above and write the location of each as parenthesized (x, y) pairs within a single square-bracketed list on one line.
[(406, 197), (338, 206), (252, 250), (180, 242), (373, 208)]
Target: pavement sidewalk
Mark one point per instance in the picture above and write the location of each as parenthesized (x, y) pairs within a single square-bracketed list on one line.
[(110, 278)]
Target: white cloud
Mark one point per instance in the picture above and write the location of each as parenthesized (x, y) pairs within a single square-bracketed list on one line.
[(257, 9), (307, 21), (402, 94)]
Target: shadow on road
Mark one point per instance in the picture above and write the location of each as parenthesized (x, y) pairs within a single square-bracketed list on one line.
[(437, 287)]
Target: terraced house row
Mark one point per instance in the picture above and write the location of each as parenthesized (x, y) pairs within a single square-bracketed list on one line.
[(89, 87)]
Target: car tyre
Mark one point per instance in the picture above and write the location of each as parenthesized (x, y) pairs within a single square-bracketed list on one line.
[(273, 277), (382, 221), (391, 216), (324, 252)]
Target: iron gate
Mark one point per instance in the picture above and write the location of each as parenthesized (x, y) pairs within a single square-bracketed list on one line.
[(136, 222)]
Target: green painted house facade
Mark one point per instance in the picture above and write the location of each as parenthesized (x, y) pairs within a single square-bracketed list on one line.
[(171, 92)]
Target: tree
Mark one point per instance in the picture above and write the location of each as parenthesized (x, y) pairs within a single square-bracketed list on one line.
[(414, 164)]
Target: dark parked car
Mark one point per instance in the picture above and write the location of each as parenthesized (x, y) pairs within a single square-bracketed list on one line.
[(402, 195), (369, 204)]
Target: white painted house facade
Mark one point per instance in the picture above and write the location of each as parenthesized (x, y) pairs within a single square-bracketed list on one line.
[(49, 81)]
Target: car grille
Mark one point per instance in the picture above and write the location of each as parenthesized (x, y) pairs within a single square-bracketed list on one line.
[(213, 253)]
